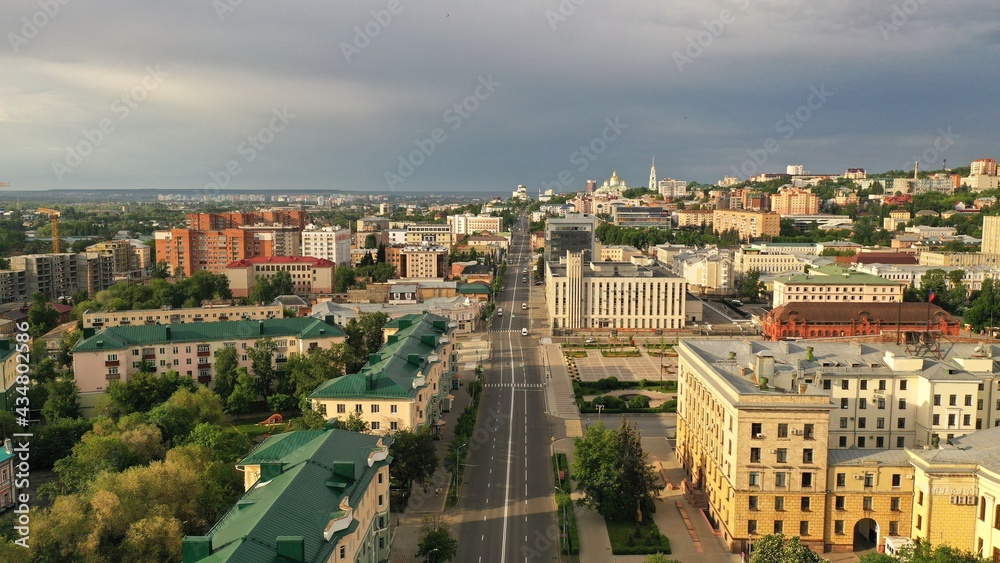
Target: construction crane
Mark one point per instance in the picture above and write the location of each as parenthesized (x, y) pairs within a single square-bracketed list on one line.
[(54, 217)]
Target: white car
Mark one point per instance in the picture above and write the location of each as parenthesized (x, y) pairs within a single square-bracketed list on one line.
[(524, 332), (591, 340)]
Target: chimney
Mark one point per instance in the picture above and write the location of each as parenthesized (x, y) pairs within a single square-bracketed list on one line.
[(195, 548), (167, 332), (8, 446), (810, 357), (291, 548), (764, 365)]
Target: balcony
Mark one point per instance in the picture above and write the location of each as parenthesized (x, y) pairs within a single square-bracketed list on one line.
[(110, 376), (111, 363), (204, 353), (204, 365), (204, 379), (149, 356)]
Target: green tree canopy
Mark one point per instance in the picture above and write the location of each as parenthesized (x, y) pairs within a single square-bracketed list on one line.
[(414, 459)]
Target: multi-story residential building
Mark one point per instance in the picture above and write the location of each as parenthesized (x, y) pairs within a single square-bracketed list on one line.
[(706, 272), (694, 217), (372, 224), (8, 483), (330, 243), (311, 495), (573, 233), (805, 319), (896, 217), (114, 354), (309, 275), (961, 259), (126, 257), (750, 258), (618, 253), (795, 201), (57, 275), (422, 262), (833, 285), (855, 174), (938, 183), (983, 166), (9, 360), (612, 295), (404, 386), (13, 286), (461, 310), (981, 182), (749, 224), (827, 441), (991, 235), (209, 313), (211, 241), (641, 217), (462, 225), (428, 234), (671, 189)]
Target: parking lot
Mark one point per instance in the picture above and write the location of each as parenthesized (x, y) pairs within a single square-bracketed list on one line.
[(595, 366)]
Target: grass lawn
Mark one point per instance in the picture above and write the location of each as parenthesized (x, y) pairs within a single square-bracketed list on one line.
[(575, 353), (633, 353), (252, 429), (651, 541)]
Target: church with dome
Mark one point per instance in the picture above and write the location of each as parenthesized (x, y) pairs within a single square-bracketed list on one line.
[(615, 185)]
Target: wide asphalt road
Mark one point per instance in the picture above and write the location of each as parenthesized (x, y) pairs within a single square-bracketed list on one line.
[(507, 512)]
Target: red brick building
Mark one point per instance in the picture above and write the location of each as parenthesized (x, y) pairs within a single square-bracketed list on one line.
[(820, 320)]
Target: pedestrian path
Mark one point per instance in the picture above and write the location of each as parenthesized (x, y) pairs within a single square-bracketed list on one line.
[(499, 330), (516, 385)]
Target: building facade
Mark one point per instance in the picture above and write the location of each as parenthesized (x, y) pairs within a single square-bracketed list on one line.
[(574, 233), (581, 294), (126, 257), (818, 320), (309, 275), (641, 217), (749, 224), (795, 201), (107, 319), (430, 234), (57, 275), (329, 243), (671, 189), (991, 235), (748, 259), (13, 286), (311, 495), (422, 262), (694, 218), (462, 225), (834, 285)]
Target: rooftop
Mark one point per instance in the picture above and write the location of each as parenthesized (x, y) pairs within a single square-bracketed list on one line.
[(833, 275), (247, 262), (124, 337)]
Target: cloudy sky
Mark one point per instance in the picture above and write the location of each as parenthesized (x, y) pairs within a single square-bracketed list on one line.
[(451, 95)]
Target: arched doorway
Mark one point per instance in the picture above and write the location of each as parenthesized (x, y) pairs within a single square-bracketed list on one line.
[(865, 534)]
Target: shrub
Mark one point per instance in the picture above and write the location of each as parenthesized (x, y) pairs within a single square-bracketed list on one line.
[(639, 402), (613, 383)]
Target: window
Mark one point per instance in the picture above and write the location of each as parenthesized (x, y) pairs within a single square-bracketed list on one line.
[(902, 385), (968, 400), (881, 404), (937, 400), (781, 479), (842, 442), (996, 517), (979, 404), (804, 528), (843, 422), (841, 479), (380, 478), (779, 526), (894, 503), (952, 400), (952, 420), (782, 430), (751, 526), (807, 455), (782, 456), (861, 441), (967, 420), (756, 430), (806, 503), (862, 403), (936, 419), (880, 442), (754, 455), (845, 384), (358, 408), (839, 503), (901, 423), (862, 422), (374, 408), (920, 501), (881, 385), (753, 502), (826, 384), (900, 442), (779, 503), (376, 425), (343, 551), (394, 426), (807, 430), (864, 384), (755, 478), (869, 479), (920, 521), (902, 404), (393, 409), (380, 500), (838, 527), (807, 479), (843, 403), (867, 503), (893, 528), (880, 422), (135, 351), (341, 408)]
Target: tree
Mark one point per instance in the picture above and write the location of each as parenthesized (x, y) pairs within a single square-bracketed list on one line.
[(262, 364), (243, 394), (380, 255), (63, 399), (179, 414), (305, 372), (414, 459), (595, 466), (371, 241), (436, 544), (658, 558), (750, 286), (281, 284), (355, 423), (226, 362), (776, 548), (985, 308), (344, 278), (160, 271), (141, 392), (876, 557), (226, 444), (42, 317), (371, 325), (110, 446), (262, 291)]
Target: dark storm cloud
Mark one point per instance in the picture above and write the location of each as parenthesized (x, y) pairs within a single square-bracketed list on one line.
[(168, 94)]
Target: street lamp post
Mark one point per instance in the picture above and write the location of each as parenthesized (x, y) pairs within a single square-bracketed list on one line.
[(458, 456), (564, 532), (599, 409), (428, 558)]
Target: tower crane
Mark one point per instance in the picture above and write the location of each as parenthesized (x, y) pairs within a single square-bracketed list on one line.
[(54, 217)]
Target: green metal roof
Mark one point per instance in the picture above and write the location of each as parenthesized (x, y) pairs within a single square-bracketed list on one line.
[(7, 347), (835, 275), (390, 372), (473, 288), (123, 337), (301, 500)]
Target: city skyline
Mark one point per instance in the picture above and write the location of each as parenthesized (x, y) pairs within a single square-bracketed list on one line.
[(397, 96)]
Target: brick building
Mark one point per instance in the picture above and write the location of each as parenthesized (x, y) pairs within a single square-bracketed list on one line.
[(816, 320), (309, 275)]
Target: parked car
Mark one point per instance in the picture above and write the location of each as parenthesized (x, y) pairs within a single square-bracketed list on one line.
[(524, 332), (591, 340)]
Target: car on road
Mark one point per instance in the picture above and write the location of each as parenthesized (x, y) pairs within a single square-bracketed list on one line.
[(499, 312), (737, 302), (590, 340), (524, 306), (524, 332)]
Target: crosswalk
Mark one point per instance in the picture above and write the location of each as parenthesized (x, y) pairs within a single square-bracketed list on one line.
[(499, 330), (517, 385)]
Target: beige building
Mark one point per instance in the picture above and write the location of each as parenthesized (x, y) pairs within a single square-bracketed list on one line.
[(612, 295), (795, 201), (833, 284), (838, 443), (437, 235), (372, 224), (404, 386), (309, 275), (694, 217), (706, 273), (125, 256), (13, 286), (618, 253), (896, 217), (991, 234), (57, 275), (330, 243), (960, 259), (749, 224), (462, 225), (749, 258), (423, 262), (107, 319)]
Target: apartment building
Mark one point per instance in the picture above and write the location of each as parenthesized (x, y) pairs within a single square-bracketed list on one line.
[(832, 284), (708, 272), (126, 256), (991, 235), (116, 353), (670, 188), (372, 224), (8, 483), (573, 233), (431, 234), (221, 221), (405, 385), (795, 201), (56, 275), (581, 294), (13, 286), (107, 319), (618, 253), (816, 440), (329, 243), (9, 361), (311, 495), (422, 262), (462, 225), (749, 224), (309, 275), (961, 259), (641, 217), (751, 258), (694, 217)]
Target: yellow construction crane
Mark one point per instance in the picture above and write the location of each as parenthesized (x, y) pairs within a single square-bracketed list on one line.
[(54, 216)]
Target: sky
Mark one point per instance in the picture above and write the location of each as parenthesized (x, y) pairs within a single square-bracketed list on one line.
[(456, 95)]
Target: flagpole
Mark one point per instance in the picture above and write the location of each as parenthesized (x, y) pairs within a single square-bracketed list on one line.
[(899, 317)]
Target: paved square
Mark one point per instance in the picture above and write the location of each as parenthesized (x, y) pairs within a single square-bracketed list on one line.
[(595, 366)]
